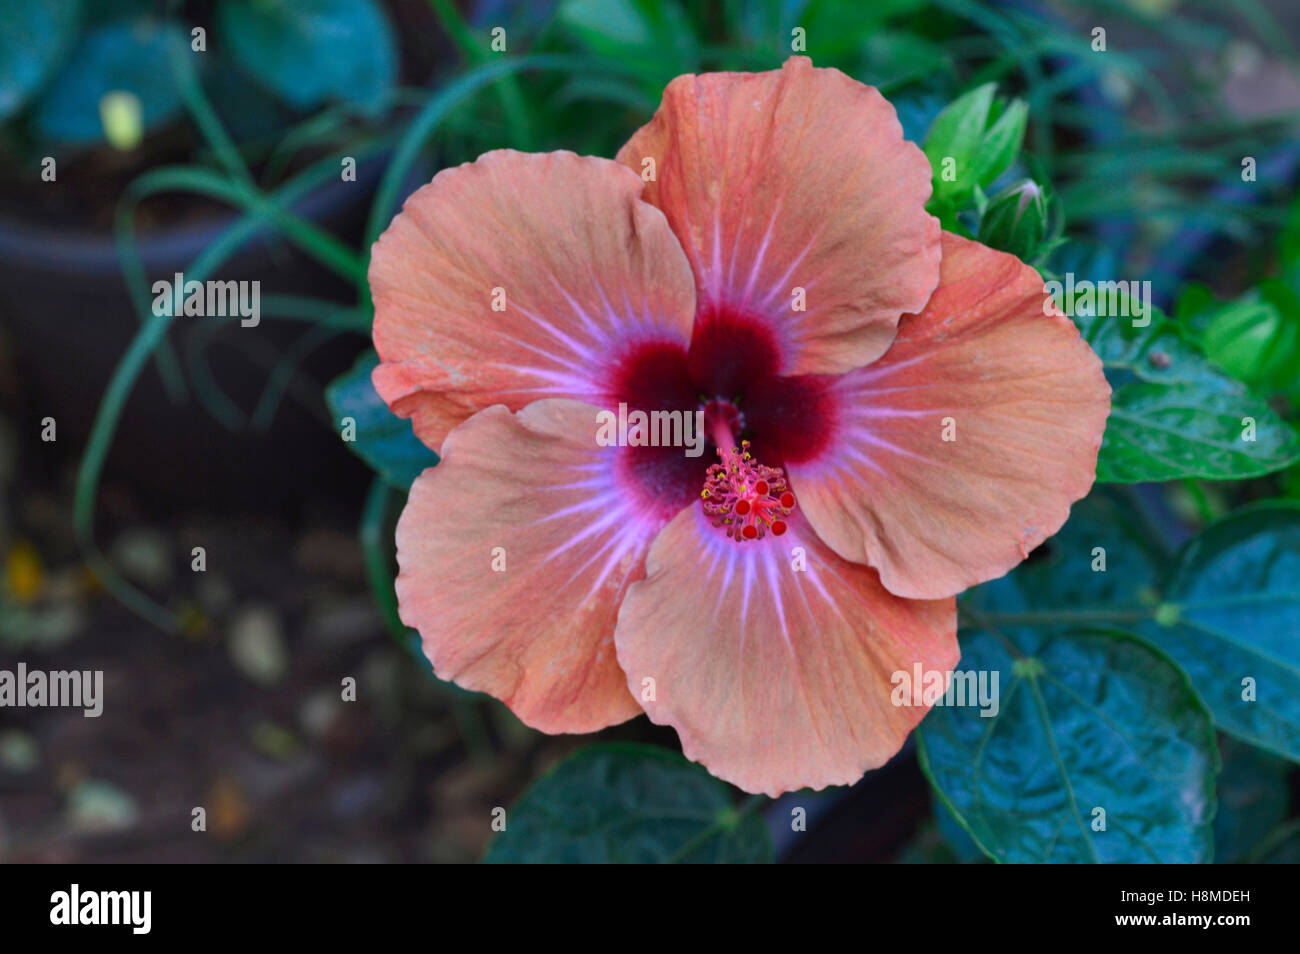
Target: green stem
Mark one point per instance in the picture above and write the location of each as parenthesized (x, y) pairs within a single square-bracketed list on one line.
[(308, 236), (123, 381), (137, 288), (330, 319), (213, 399), (204, 116), (284, 370), (317, 311), (206, 182)]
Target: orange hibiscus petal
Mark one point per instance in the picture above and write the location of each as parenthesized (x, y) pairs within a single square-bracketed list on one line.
[(514, 554), (518, 277), (775, 678), (1023, 402), (794, 178)]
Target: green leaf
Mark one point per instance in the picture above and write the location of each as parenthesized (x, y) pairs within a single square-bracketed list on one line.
[(1178, 415), (383, 440), (1253, 799), (1238, 333), (1087, 720), (1194, 309), (309, 52), (1213, 429), (981, 138), (1282, 847), (1156, 351), (1232, 612), (1226, 607), (34, 37), (126, 57), (629, 804), (1104, 560), (956, 134), (1257, 338), (957, 838), (1001, 144)]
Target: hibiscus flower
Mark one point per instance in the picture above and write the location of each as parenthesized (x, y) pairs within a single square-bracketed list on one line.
[(917, 421)]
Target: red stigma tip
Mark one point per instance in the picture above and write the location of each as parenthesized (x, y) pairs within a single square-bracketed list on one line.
[(746, 498)]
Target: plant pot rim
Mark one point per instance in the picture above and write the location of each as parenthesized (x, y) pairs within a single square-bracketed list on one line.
[(27, 244)]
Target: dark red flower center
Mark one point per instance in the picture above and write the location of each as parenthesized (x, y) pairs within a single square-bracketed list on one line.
[(731, 371)]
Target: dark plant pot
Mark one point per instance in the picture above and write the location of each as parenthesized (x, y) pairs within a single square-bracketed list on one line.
[(63, 297)]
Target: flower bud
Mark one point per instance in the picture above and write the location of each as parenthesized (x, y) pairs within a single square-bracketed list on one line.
[(1015, 220)]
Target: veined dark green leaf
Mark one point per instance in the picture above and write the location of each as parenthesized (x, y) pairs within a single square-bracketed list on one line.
[(1213, 429), (1100, 751), (1103, 560), (957, 838), (629, 804), (1253, 799), (1226, 608), (383, 440), (1155, 352), (1231, 613), (1179, 415)]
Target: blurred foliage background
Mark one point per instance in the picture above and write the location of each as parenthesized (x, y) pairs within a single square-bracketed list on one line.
[(210, 135)]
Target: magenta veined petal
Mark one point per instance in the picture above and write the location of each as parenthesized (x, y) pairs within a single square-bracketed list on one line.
[(519, 277), (962, 448), (515, 553), (773, 658), (799, 204)]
